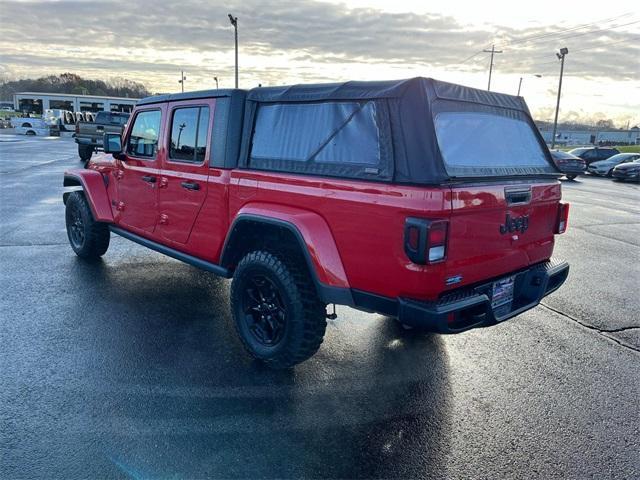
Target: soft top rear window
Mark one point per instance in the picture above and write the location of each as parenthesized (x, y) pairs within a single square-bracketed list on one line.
[(476, 142)]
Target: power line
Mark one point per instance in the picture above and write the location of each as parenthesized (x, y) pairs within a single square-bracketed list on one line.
[(559, 32), (601, 30), (470, 57), (580, 50)]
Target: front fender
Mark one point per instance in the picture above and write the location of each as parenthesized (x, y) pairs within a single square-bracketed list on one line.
[(95, 191)]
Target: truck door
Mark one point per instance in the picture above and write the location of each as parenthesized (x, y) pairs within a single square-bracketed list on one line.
[(137, 173), (182, 186)]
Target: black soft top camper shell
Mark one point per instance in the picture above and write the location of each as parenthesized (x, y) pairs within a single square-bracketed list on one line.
[(405, 114), (409, 108)]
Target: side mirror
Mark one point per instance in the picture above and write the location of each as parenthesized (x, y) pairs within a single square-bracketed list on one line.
[(112, 143)]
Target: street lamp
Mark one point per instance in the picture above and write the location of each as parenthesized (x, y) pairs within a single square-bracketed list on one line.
[(520, 84), (181, 81), (561, 55), (216, 79), (234, 22)]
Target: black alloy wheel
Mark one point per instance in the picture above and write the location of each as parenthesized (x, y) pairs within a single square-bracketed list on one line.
[(265, 314)]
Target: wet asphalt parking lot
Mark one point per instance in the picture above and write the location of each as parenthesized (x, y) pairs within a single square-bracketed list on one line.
[(129, 367)]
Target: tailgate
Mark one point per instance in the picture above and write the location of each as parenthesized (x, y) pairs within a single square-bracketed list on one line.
[(498, 228)]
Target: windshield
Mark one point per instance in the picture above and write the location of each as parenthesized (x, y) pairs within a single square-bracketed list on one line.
[(476, 144), (621, 157), (578, 151)]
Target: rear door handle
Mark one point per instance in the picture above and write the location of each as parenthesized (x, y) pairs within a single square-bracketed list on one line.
[(149, 178), (190, 185)]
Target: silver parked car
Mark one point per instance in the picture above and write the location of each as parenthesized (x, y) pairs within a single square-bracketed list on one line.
[(605, 167)]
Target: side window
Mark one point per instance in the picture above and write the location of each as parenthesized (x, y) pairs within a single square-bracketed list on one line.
[(589, 154), (143, 140), (189, 128), (349, 139)]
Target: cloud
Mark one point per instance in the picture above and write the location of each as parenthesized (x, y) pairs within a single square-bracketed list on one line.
[(291, 41)]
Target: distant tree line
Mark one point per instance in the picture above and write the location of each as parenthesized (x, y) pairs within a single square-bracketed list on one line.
[(603, 124), (74, 84)]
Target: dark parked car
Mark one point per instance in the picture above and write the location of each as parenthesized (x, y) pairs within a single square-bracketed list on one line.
[(568, 164), (593, 154), (627, 171)]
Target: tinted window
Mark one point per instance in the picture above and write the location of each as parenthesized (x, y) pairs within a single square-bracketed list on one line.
[(189, 129), (118, 119), (102, 117), (589, 154), (480, 144), (560, 154), (143, 140), (339, 133)]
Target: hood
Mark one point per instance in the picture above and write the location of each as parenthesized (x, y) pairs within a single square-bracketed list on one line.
[(628, 166)]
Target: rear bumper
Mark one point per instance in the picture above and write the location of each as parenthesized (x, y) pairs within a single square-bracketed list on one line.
[(573, 170), (468, 308), (94, 142)]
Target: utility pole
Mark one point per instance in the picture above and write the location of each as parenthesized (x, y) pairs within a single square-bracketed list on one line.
[(216, 79), (234, 22), (182, 79), (493, 51), (563, 52)]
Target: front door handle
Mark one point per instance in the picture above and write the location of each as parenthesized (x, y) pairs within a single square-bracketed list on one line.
[(149, 179), (190, 185)]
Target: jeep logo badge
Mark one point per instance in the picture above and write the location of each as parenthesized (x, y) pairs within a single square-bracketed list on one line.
[(516, 224)]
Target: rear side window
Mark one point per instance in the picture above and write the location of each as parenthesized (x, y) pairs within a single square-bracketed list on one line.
[(143, 140), (328, 138), (477, 143), (118, 119), (189, 128)]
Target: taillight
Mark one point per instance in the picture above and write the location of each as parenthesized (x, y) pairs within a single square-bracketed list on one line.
[(425, 241), (563, 217)]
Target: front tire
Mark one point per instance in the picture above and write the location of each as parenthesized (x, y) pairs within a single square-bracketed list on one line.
[(571, 177), (88, 238), (277, 312)]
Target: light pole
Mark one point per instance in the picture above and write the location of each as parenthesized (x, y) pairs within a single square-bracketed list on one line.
[(216, 79), (181, 81), (234, 22), (520, 84), (563, 52)]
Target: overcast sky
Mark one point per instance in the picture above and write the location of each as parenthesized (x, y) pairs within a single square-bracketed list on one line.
[(283, 42)]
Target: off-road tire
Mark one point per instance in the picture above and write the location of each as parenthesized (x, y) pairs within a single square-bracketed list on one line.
[(88, 238), (305, 314), (85, 152)]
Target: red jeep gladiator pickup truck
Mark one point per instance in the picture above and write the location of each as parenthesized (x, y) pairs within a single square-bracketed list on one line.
[(429, 202)]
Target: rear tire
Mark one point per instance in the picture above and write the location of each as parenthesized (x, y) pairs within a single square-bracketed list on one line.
[(85, 152), (571, 177), (278, 315), (88, 238)]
